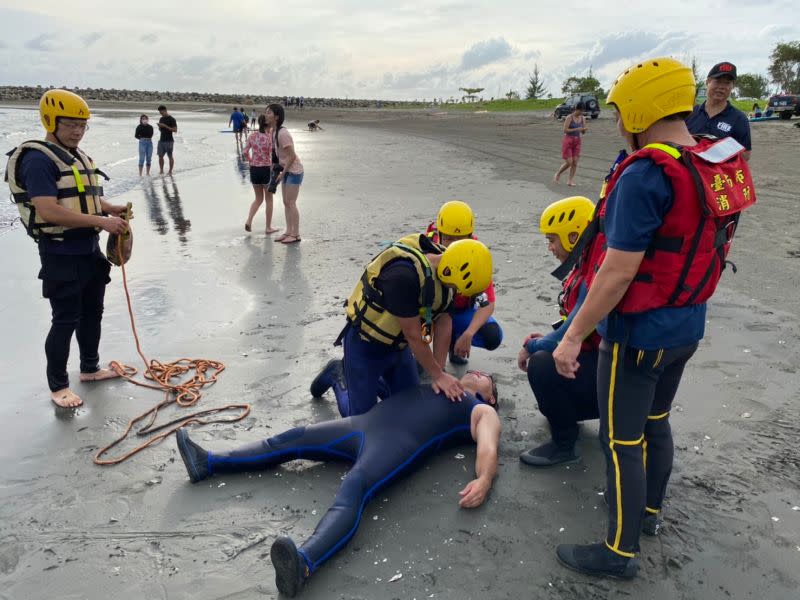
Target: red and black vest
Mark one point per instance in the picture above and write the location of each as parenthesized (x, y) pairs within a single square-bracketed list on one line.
[(712, 185), (567, 300)]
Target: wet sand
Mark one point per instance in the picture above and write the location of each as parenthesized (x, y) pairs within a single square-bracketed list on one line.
[(204, 288)]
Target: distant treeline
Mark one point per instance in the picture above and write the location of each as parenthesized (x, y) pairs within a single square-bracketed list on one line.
[(33, 93)]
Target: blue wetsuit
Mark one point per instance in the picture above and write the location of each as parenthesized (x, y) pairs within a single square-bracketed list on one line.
[(383, 443)]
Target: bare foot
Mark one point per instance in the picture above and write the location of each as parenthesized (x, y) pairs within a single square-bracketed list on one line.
[(65, 398), (281, 237), (99, 375), (271, 230), (571, 183), (555, 178)]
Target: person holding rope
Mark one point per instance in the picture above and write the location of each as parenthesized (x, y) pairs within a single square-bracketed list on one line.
[(56, 189), (668, 218), (383, 444)]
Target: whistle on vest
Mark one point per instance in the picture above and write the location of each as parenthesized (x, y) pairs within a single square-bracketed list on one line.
[(119, 246), (427, 333)]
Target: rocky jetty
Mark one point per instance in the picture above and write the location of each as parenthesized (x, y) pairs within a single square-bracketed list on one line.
[(33, 93)]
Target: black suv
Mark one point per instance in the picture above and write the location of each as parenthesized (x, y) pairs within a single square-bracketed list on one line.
[(785, 105), (588, 102)]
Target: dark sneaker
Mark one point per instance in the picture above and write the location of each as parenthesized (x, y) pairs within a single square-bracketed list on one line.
[(455, 359), (652, 525), (331, 373), (291, 570), (549, 455), (194, 457), (597, 559)]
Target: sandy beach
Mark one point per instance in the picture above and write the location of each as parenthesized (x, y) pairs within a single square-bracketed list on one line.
[(203, 288)]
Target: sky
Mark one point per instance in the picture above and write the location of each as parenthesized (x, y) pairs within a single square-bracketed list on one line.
[(373, 48)]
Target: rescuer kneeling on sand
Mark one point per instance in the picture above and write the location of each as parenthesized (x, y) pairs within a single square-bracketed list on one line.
[(403, 300)]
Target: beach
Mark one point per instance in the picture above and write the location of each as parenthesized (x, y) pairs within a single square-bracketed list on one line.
[(202, 287)]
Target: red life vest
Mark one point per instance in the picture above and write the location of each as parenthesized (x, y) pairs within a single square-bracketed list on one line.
[(712, 185), (567, 300)]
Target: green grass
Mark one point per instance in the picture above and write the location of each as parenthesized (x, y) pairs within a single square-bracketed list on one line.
[(746, 106), (506, 105), (549, 104)]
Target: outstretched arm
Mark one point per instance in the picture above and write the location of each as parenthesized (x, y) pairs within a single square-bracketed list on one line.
[(486, 432)]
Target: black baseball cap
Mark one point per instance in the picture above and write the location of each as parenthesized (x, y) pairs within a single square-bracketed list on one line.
[(723, 69)]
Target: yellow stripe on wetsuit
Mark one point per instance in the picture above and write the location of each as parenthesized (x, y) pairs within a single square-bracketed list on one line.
[(611, 443)]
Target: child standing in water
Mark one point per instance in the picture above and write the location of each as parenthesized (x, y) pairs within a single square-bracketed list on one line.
[(258, 152), (144, 133), (574, 127)]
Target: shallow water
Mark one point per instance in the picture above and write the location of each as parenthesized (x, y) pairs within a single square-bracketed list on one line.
[(111, 144)]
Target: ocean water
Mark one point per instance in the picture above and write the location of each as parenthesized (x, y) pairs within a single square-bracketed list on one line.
[(111, 144)]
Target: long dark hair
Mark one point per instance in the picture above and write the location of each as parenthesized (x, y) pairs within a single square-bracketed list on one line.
[(262, 123), (278, 111)]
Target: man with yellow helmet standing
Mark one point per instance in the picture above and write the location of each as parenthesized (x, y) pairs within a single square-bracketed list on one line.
[(668, 219), (473, 323), (56, 188), (562, 401), (398, 306)]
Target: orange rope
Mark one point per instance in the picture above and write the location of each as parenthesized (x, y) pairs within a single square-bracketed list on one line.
[(183, 393)]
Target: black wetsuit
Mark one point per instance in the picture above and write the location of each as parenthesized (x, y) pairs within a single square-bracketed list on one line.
[(390, 439)]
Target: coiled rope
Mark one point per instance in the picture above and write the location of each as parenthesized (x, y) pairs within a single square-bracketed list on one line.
[(183, 392)]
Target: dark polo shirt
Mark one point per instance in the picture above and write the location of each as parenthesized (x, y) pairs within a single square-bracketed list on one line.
[(731, 122)]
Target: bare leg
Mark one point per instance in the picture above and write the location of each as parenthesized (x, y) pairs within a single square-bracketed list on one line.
[(561, 169), (259, 191), (171, 164), (140, 170), (290, 194), (161, 164), (269, 200), (572, 168)]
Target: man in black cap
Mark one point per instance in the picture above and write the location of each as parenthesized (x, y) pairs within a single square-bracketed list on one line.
[(717, 116)]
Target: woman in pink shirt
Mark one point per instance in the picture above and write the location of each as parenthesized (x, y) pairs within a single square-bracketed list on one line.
[(258, 152), (292, 175)]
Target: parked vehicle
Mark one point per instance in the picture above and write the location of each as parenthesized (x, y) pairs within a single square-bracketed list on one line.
[(588, 102), (785, 105)]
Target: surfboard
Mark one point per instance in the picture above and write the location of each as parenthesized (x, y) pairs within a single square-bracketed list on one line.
[(226, 131), (770, 118)]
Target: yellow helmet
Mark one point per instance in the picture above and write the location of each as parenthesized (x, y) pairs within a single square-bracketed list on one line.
[(61, 103), (652, 90), (570, 215), (467, 265), (455, 218)]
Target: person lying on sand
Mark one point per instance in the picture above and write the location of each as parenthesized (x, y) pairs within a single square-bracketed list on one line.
[(393, 437)]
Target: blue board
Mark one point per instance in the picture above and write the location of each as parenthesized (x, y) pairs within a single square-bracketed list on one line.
[(770, 118), (226, 130)]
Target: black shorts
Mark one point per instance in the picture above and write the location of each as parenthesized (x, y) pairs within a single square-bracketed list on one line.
[(165, 147), (259, 175)]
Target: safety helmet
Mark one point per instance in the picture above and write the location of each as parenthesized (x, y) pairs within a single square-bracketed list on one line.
[(566, 216), (651, 90), (467, 265), (61, 103), (455, 219)]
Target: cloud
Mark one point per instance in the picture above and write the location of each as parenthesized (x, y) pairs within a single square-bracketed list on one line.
[(777, 31), (91, 38), (629, 46), (148, 38), (42, 43), (484, 53)]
